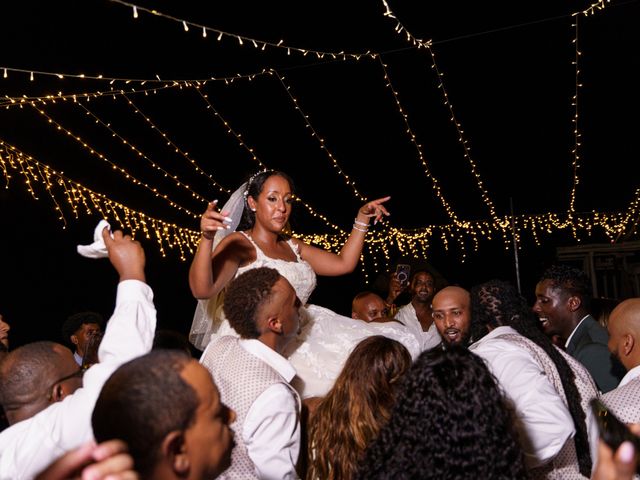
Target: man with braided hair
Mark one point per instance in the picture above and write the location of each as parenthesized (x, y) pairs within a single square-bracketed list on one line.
[(549, 389), (253, 376)]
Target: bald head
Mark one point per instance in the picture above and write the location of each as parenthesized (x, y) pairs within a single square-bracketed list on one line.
[(369, 307), (452, 314), (29, 378), (624, 332)]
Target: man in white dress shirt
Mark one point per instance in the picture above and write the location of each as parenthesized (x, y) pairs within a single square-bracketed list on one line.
[(624, 344), (452, 315), (417, 314), (49, 412), (253, 377)]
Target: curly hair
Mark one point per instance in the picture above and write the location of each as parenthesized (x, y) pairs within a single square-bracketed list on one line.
[(571, 280), (355, 409), (245, 295), (450, 421), (254, 189), (496, 303)]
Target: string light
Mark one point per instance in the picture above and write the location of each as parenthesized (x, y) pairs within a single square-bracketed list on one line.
[(230, 130), (177, 149), (413, 138), (575, 163), (142, 81), (314, 134), (128, 176), (258, 44), (81, 199), (474, 169), (591, 9)]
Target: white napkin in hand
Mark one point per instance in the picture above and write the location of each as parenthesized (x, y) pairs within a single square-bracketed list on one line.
[(97, 249)]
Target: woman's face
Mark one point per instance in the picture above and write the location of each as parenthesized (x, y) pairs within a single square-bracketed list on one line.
[(273, 205)]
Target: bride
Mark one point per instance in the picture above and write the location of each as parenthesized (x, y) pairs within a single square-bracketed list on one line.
[(260, 210)]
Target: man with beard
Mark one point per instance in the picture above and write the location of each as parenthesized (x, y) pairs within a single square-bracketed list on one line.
[(417, 315), (562, 302), (624, 333), (452, 315)]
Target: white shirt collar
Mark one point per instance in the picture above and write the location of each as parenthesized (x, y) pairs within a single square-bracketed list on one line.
[(497, 331), (566, 345), (631, 374), (270, 357)]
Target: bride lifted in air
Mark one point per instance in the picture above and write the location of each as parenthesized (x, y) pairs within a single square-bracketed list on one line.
[(259, 210)]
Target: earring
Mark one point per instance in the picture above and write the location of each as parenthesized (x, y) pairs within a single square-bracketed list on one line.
[(253, 209)]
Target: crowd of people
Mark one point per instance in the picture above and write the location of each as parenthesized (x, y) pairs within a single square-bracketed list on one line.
[(454, 384)]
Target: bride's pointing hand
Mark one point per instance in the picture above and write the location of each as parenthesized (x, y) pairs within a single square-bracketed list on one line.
[(375, 208), (212, 221)]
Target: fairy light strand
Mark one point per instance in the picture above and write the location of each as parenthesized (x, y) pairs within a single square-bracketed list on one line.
[(175, 147), (77, 195), (414, 141), (467, 155), (251, 151), (128, 176), (260, 45), (400, 29), (575, 163), (314, 134)]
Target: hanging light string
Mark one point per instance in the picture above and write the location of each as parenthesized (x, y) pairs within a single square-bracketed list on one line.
[(141, 81), (176, 148), (314, 134), (80, 199), (230, 130), (467, 155), (594, 7), (400, 29), (575, 163), (241, 39), (8, 101), (128, 176), (440, 78), (178, 182), (417, 241), (414, 141)]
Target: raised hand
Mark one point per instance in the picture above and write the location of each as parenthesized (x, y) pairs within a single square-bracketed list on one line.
[(126, 255), (212, 220), (374, 208)]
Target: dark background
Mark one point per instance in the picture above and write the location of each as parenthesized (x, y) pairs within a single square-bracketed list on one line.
[(507, 70)]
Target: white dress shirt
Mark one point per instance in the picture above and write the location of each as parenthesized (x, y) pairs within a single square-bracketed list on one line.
[(29, 446), (544, 422), (631, 374), (271, 430), (408, 317)]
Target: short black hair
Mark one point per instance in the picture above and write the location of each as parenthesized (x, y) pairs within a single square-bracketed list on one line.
[(26, 372), (142, 402), (245, 295), (571, 280), (73, 323)]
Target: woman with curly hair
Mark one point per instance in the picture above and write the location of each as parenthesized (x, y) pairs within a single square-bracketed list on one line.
[(450, 422), (355, 409)]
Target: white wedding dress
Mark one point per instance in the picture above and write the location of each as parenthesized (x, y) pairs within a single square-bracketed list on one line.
[(326, 339)]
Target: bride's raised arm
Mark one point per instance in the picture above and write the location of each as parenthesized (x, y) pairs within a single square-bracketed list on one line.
[(332, 264)]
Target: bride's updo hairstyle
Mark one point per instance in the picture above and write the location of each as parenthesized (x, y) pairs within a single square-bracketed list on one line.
[(255, 184)]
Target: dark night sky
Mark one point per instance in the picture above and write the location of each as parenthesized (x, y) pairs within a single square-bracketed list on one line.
[(508, 74)]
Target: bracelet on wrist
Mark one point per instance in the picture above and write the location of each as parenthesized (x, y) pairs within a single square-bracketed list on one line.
[(356, 227), (362, 224)]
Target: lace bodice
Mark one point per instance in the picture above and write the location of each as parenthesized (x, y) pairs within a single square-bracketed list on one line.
[(299, 274)]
